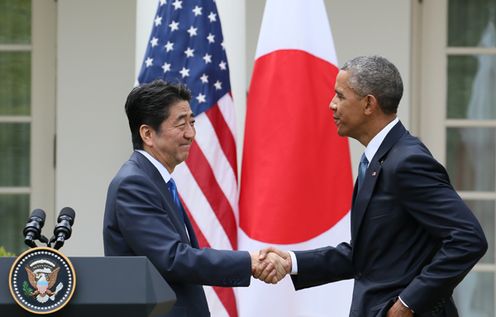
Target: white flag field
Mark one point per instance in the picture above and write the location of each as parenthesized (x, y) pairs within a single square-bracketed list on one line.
[(296, 180)]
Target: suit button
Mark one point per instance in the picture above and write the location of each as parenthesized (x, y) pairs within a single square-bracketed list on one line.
[(358, 275)]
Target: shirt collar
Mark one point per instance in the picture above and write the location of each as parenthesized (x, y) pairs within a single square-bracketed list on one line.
[(376, 141), (161, 169)]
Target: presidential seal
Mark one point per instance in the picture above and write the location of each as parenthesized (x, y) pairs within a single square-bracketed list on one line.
[(42, 280)]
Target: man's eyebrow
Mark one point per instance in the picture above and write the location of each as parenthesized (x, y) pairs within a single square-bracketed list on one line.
[(185, 115)]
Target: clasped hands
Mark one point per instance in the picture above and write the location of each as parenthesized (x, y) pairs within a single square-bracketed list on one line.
[(270, 265)]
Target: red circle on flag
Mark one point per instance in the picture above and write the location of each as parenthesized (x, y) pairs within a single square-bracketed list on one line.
[(296, 173)]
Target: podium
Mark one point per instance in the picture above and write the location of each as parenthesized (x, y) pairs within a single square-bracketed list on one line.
[(106, 286)]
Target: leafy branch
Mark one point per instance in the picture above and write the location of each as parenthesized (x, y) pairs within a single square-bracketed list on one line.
[(28, 291)]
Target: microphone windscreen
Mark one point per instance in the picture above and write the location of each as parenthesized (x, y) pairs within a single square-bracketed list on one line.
[(68, 211), (39, 213)]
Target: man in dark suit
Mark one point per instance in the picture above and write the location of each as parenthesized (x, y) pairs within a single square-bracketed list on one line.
[(143, 214), (413, 239)]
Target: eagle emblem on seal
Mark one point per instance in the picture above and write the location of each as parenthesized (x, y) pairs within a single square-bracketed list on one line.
[(42, 276)]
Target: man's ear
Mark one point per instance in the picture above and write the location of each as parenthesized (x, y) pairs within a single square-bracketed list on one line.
[(371, 104), (146, 133)]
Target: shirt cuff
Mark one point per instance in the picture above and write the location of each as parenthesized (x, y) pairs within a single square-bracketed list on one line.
[(294, 263), (404, 304)]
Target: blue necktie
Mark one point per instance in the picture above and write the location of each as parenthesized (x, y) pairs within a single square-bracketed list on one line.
[(362, 168), (175, 198)]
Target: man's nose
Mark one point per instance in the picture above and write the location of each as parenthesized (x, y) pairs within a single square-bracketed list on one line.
[(332, 104), (190, 131)]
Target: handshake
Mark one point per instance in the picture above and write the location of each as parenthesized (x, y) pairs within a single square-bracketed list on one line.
[(270, 265)]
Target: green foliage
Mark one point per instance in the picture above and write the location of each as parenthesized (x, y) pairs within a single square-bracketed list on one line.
[(4, 252), (28, 291)]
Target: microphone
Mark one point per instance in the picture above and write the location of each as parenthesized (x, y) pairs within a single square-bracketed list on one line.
[(63, 229), (32, 230)]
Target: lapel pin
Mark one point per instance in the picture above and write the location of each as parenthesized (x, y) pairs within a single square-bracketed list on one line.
[(374, 173)]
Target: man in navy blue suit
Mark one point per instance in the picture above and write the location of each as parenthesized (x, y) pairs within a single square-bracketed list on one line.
[(413, 239), (143, 214)]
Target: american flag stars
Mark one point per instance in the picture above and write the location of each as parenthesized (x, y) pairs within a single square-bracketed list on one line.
[(178, 4), (186, 45), (189, 52), (212, 17), (200, 98), (158, 21), (166, 67), (154, 42), (197, 11), (207, 58), (218, 85), (174, 26), (149, 62), (184, 72), (192, 31), (169, 46), (211, 38)]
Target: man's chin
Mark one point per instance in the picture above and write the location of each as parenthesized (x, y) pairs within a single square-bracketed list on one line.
[(184, 156)]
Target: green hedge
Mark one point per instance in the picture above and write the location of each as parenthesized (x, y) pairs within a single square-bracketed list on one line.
[(4, 252)]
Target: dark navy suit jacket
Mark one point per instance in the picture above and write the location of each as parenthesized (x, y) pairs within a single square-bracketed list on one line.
[(411, 236), (141, 220)]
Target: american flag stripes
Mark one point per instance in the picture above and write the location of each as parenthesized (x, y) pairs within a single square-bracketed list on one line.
[(186, 45)]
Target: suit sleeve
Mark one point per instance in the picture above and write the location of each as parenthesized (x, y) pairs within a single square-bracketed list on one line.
[(148, 230), (322, 266), (425, 192)]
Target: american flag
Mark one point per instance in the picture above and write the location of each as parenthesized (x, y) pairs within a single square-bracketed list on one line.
[(186, 45)]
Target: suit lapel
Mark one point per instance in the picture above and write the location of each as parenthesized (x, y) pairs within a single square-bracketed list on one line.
[(362, 198), (162, 188)]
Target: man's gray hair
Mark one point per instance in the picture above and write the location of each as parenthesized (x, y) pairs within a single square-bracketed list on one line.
[(375, 75)]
